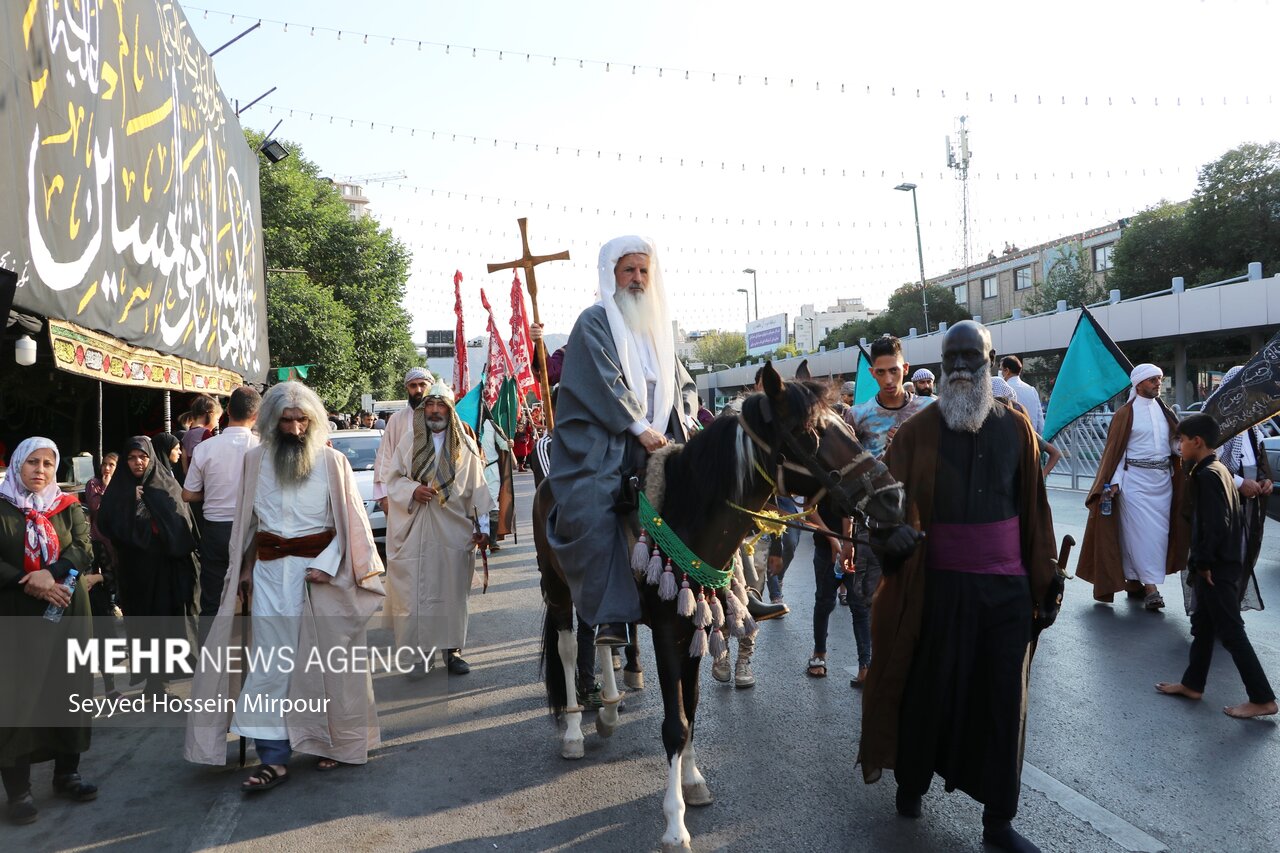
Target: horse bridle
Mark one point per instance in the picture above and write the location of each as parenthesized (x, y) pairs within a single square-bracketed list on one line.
[(857, 471)]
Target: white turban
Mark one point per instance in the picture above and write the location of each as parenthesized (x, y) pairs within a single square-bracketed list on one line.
[(922, 374), (1140, 374), (1001, 390), (662, 340), (417, 373), (1231, 374)]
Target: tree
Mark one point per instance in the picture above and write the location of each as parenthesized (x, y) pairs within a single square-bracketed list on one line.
[(1235, 212), (1153, 248), (1070, 278), (721, 348), (307, 325), (363, 267), (1232, 219), (787, 350)]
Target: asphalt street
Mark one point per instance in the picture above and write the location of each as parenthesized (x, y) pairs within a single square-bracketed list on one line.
[(472, 763)]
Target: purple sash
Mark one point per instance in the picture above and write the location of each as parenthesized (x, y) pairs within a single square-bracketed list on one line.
[(981, 549)]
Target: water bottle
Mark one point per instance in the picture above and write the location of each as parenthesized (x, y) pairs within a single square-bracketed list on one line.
[(53, 612), (1105, 508)]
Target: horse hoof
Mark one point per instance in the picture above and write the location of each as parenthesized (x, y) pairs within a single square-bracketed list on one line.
[(604, 729), (697, 795), (682, 847), (572, 749), (634, 680)]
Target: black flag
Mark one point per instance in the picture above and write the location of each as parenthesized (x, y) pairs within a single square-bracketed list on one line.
[(1249, 397)]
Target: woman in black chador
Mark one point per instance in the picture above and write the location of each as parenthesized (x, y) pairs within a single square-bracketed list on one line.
[(151, 527)]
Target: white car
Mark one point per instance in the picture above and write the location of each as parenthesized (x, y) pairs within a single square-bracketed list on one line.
[(360, 446)]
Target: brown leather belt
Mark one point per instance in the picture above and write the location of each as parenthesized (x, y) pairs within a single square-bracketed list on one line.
[(273, 547)]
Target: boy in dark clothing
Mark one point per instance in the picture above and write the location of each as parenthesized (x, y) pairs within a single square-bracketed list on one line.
[(1217, 563)]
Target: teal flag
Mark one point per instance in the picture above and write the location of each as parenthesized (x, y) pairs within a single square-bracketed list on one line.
[(468, 408), (865, 386), (1093, 371)]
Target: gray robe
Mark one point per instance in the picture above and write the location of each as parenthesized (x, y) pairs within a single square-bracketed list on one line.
[(590, 449)]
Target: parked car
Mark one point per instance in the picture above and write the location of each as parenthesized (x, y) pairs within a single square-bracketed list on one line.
[(360, 446), (1271, 446)]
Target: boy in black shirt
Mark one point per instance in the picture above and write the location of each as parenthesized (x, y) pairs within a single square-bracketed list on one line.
[(1217, 563)]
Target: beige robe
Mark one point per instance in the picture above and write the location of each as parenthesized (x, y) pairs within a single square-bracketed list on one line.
[(397, 425), (431, 560), (335, 616)]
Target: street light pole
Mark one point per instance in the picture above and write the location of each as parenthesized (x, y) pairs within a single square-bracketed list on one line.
[(756, 288), (747, 294), (924, 290)]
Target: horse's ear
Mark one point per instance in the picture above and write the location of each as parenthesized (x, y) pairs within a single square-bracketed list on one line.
[(771, 381), (802, 372)]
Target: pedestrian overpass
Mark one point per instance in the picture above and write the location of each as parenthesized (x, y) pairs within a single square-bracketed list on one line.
[(1248, 304)]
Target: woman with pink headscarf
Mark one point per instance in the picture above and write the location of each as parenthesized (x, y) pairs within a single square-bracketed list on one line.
[(44, 534)]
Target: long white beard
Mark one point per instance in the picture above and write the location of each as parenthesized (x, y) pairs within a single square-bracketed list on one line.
[(639, 311), (965, 400)]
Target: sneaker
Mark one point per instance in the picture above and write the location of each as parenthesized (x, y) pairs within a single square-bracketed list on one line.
[(720, 668), (742, 675), (590, 699)]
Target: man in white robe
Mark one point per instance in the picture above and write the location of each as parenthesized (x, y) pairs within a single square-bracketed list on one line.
[(493, 443), (1140, 473), (438, 513), (302, 550), (416, 382)]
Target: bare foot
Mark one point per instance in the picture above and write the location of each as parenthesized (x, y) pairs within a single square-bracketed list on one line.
[(1249, 710), (1178, 689)]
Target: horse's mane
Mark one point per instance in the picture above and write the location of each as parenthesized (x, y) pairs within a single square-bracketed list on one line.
[(716, 465)]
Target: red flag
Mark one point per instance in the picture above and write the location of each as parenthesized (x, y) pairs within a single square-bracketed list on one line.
[(499, 366), (461, 375), (521, 345)]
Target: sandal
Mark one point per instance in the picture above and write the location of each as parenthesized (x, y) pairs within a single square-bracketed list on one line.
[(268, 777), (324, 765), (1154, 601), (819, 664)]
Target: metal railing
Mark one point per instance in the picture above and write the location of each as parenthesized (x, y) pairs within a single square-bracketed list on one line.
[(1082, 444)]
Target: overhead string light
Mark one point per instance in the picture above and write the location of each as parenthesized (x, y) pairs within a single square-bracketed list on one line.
[(791, 82), (716, 164), (771, 222)]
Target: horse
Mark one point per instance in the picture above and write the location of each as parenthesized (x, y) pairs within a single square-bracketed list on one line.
[(785, 440)]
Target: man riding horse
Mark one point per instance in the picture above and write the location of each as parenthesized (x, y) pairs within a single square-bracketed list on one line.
[(623, 394)]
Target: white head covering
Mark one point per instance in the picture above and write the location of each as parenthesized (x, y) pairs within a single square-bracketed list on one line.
[(441, 391), (921, 374), (1001, 390), (417, 373), (16, 492), (1142, 373), (664, 394), (1231, 374)]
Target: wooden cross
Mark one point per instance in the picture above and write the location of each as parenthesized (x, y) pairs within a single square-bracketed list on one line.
[(527, 262)]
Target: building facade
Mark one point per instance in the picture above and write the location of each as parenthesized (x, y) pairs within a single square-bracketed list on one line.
[(812, 326), (995, 287)]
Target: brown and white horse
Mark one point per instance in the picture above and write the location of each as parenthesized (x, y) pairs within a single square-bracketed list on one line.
[(786, 438)]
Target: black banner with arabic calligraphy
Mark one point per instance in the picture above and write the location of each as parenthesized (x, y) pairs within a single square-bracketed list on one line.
[(128, 195), (1249, 397)]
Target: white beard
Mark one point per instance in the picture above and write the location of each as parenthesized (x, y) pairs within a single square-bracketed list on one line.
[(639, 312), (965, 400)]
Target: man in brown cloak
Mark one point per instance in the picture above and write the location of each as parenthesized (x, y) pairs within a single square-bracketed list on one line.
[(952, 625)]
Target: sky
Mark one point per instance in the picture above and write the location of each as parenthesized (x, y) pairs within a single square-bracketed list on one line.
[(743, 135)]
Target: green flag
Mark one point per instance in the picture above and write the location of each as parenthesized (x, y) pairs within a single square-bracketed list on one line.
[(1093, 371), (507, 407), (865, 386)]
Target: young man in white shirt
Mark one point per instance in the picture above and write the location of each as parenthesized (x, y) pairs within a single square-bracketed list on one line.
[(214, 481)]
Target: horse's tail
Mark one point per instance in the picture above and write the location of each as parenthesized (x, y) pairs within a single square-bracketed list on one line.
[(551, 666)]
